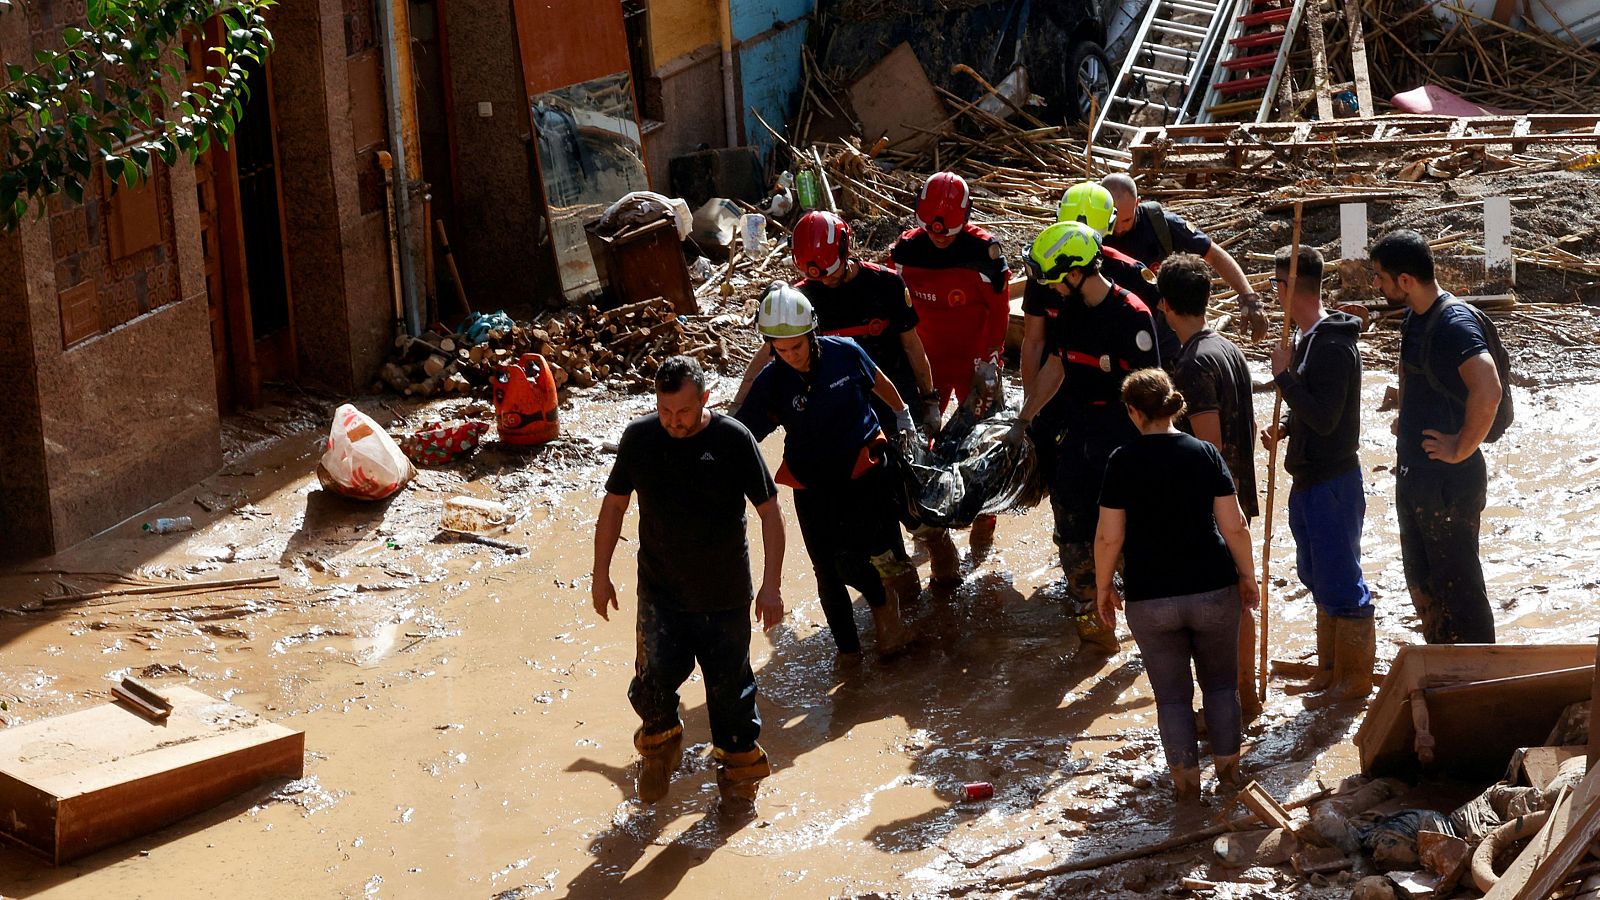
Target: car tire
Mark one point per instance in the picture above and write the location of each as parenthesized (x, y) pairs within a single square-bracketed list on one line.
[(1087, 73)]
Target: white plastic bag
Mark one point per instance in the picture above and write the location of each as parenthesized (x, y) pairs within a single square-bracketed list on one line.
[(361, 460)]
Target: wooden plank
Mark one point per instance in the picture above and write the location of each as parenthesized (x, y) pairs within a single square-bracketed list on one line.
[(1319, 62), (1499, 258), (1539, 765), (1358, 59), (108, 775), (1266, 807), (1594, 703), (894, 95), (1385, 737)]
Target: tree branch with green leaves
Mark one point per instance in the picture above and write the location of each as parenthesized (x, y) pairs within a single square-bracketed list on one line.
[(121, 92)]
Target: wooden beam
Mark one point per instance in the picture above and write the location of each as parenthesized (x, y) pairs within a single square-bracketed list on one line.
[(1594, 703), (1358, 60), (1319, 62)]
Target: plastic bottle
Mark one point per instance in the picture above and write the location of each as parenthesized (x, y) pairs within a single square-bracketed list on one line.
[(166, 525), (805, 189)]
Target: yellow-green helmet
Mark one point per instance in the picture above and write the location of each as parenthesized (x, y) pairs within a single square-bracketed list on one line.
[(1060, 248), (1090, 203), (784, 312)]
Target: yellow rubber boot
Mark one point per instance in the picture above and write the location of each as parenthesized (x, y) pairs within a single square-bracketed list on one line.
[(739, 778), (660, 753)]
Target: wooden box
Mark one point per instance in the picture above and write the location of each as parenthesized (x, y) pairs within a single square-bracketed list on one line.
[(77, 783), (1481, 703), (642, 263)]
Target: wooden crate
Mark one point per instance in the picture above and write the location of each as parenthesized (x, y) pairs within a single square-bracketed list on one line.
[(1502, 697), (77, 783)]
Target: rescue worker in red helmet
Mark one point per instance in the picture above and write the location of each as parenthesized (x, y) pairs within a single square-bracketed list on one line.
[(957, 276), (1095, 337), (817, 390), (868, 304)]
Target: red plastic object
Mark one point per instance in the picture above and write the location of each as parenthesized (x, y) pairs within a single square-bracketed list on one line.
[(976, 790), (1270, 17), (1240, 85), (526, 406), (1246, 63), (1265, 39)]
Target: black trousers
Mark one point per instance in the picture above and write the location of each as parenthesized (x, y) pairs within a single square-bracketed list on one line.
[(1440, 512), (844, 526), (670, 642)]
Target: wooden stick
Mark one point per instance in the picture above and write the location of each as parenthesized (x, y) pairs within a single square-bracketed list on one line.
[(259, 582), (450, 266), (1096, 862), (1272, 462)]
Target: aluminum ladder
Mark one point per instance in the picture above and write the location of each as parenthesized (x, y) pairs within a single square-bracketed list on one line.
[(1250, 65), (1161, 74)]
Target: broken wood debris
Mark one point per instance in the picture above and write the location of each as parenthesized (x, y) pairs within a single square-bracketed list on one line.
[(583, 346)]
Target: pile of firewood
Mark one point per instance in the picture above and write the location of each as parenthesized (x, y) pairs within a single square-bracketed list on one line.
[(583, 346)]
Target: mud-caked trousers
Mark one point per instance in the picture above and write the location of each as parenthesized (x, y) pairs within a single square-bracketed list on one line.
[(844, 526), (1439, 513), (670, 642), (1181, 639)]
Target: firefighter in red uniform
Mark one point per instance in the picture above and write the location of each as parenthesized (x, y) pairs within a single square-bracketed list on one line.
[(1095, 335), (958, 277), (868, 304)]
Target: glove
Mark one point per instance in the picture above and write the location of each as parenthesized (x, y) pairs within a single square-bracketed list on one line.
[(930, 416), (902, 419)]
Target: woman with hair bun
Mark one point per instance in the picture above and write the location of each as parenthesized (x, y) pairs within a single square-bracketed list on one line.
[(1168, 507)]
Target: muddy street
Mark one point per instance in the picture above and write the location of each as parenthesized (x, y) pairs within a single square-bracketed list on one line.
[(468, 734)]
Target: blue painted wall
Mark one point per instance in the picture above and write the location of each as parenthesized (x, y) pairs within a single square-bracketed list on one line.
[(769, 72), (752, 17), (769, 64)]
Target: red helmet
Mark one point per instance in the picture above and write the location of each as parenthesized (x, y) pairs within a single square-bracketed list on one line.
[(821, 243), (944, 204)]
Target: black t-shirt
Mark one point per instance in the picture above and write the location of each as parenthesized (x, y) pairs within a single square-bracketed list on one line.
[(1214, 377), (874, 310), (692, 551), (1139, 280), (1167, 484), (1099, 347), (1456, 339), (1142, 243)]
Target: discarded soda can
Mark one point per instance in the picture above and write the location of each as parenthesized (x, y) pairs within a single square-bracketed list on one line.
[(977, 790), (166, 525)]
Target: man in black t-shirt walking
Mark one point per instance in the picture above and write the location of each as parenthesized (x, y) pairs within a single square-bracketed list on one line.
[(693, 471), (1449, 394), (1214, 378)]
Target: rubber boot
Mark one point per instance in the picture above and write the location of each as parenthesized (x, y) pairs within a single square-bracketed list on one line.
[(1355, 647), (1186, 785), (899, 577), (1094, 634), (1228, 778), (739, 779), (981, 538), (1327, 657), (661, 754), (943, 558), (891, 632)]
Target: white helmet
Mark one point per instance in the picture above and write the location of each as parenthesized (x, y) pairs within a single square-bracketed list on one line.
[(784, 312)]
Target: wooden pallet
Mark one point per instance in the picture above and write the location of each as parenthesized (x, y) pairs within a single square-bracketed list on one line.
[(1226, 146)]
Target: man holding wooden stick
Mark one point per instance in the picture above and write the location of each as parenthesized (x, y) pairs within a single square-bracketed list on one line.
[(1320, 379)]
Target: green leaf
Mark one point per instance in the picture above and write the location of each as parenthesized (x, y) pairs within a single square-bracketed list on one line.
[(73, 188), (114, 168), (71, 35)]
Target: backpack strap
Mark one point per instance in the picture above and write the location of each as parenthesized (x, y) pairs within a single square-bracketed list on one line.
[(1157, 217), (1445, 301)]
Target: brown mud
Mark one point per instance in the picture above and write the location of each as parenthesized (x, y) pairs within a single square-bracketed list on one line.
[(468, 733)]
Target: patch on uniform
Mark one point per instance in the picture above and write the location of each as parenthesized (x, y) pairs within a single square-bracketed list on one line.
[(1148, 273), (1143, 341), (994, 251)]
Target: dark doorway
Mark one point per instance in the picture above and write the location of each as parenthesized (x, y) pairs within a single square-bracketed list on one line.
[(240, 197)]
